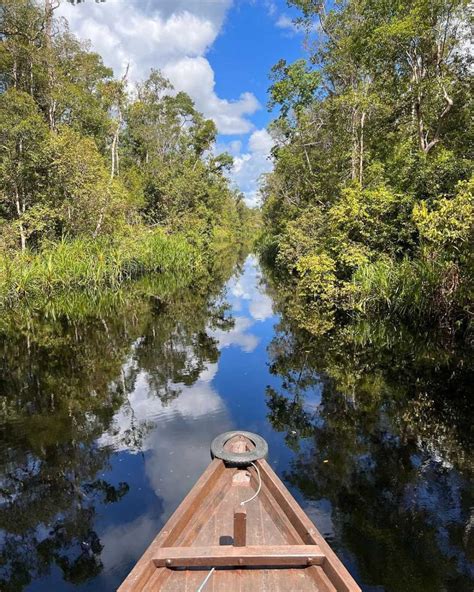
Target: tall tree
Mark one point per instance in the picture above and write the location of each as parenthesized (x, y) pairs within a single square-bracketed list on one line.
[(372, 131)]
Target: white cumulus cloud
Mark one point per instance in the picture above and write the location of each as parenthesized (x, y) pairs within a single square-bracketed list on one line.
[(247, 287), (284, 22), (196, 77), (260, 142), (173, 36), (250, 165), (238, 336)]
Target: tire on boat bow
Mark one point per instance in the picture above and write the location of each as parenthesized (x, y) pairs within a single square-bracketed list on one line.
[(239, 459)]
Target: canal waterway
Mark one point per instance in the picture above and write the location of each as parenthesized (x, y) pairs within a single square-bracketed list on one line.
[(107, 412)]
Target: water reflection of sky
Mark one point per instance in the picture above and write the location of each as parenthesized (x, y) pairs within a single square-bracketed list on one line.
[(173, 449), (160, 449)]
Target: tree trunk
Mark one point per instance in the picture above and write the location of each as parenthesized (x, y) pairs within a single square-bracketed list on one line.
[(114, 167), (355, 144), (446, 110), (22, 237), (48, 13), (32, 86), (15, 73), (420, 125), (361, 148), (48, 25), (117, 156), (307, 160), (99, 224), (112, 152), (20, 209), (116, 140)]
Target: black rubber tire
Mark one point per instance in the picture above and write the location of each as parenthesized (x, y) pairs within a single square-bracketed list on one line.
[(239, 459)]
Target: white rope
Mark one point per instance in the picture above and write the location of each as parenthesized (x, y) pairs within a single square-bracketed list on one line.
[(258, 488), (206, 579)]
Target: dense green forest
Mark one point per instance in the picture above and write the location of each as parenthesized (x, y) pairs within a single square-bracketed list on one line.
[(369, 210), (99, 181)]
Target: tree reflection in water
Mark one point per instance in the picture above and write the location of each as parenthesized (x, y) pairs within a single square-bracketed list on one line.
[(378, 420), (389, 447), (65, 370)]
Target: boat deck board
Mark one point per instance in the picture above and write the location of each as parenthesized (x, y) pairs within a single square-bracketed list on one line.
[(262, 580), (218, 530), (205, 521)]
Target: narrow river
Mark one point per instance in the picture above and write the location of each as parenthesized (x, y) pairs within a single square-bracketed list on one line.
[(106, 420)]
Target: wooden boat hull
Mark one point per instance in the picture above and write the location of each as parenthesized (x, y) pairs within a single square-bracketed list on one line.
[(267, 544)]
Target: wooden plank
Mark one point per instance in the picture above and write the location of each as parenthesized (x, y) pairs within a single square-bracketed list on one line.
[(318, 575), (228, 556), (240, 527), (144, 567), (227, 579), (247, 580), (277, 515), (157, 580), (334, 568), (203, 493), (203, 516), (206, 516), (291, 536), (218, 526), (265, 536)]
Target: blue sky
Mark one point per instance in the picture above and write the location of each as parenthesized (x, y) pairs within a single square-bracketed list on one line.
[(219, 51), (250, 43)]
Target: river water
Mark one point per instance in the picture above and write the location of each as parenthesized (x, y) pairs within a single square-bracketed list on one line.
[(107, 413)]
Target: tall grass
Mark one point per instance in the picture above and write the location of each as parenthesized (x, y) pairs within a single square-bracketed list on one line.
[(420, 288), (91, 264)]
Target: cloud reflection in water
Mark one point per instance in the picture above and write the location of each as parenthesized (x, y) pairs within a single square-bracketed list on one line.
[(175, 436)]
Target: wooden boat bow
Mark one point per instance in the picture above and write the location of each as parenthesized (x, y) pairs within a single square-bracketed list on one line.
[(224, 537)]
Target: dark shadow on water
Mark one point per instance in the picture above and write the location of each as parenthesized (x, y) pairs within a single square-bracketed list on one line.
[(108, 404), (66, 368), (380, 419)]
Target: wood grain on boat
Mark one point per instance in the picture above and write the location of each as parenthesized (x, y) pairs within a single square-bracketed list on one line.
[(213, 541)]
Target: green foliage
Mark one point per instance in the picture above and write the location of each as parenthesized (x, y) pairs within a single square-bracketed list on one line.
[(448, 228), (372, 164), (84, 197), (374, 412), (366, 222), (317, 292), (84, 160), (419, 289), (91, 264), (317, 278), (65, 373), (22, 168), (301, 237), (293, 86)]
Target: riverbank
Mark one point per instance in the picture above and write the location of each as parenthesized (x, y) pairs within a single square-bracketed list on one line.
[(92, 265), (376, 255)]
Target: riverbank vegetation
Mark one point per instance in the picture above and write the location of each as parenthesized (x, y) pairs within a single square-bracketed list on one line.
[(93, 263), (369, 210), (99, 181)]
